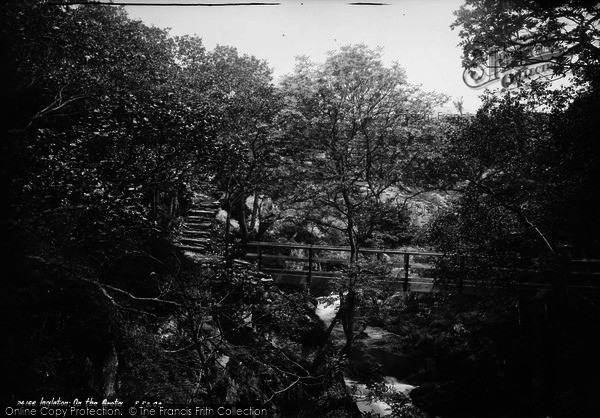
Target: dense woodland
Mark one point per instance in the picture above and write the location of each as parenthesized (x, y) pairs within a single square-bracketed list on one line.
[(112, 127)]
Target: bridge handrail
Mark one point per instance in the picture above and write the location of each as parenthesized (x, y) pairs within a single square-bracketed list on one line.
[(585, 260), (345, 249), (312, 248), (311, 259)]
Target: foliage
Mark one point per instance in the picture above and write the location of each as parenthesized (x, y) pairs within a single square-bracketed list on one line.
[(496, 355), (244, 156), (568, 29), (113, 127), (401, 407), (353, 127), (102, 143), (356, 289), (198, 334), (525, 172)]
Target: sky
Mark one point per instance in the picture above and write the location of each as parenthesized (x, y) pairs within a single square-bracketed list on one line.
[(414, 33)]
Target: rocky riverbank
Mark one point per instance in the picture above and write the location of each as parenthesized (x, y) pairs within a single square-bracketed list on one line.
[(459, 356), (371, 359)]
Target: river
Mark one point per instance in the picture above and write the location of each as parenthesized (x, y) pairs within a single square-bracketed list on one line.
[(326, 310)]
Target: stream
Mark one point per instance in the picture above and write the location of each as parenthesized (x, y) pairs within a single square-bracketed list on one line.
[(371, 336)]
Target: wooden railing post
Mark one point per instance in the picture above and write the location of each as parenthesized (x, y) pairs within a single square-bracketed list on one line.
[(310, 266), (259, 257), (461, 263), (406, 266)]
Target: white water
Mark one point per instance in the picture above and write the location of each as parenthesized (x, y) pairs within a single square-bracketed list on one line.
[(378, 407), (326, 310)]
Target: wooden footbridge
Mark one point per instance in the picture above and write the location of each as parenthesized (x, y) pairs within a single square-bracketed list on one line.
[(411, 271)]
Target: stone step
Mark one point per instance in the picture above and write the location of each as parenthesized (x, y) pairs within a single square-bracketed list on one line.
[(191, 248), (205, 198), (205, 222), (196, 228), (199, 218), (206, 206), (196, 233), (195, 241), (197, 221), (183, 238), (201, 212)]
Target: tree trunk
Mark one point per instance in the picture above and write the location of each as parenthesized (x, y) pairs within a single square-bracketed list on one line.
[(109, 373), (153, 204), (227, 231), (352, 240), (254, 212), (175, 203), (242, 219), (348, 313), (101, 369), (350, 228)]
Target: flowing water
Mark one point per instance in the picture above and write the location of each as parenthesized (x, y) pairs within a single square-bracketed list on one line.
[(326, 310)]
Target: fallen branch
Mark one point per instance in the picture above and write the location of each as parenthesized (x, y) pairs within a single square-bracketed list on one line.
[(123, 292)]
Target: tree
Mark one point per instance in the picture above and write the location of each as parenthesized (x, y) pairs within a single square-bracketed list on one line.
[(100, 133), (524, 180), (96, 146), (350, 133), (565, 34), (526, 173), (352, 128), (113, 118), (244, 102), (525, 184), (532, 166), (94, 139)]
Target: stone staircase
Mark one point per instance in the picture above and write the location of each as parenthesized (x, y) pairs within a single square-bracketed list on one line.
[(196, 236), (196, 230)]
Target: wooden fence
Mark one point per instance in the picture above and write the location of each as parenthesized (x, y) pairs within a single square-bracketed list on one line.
[(414, 271)]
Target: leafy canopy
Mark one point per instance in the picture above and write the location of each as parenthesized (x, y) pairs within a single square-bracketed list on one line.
[(569, 29), (353, 128)]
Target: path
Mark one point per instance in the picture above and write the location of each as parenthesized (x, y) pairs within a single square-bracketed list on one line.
[(197, 228)]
